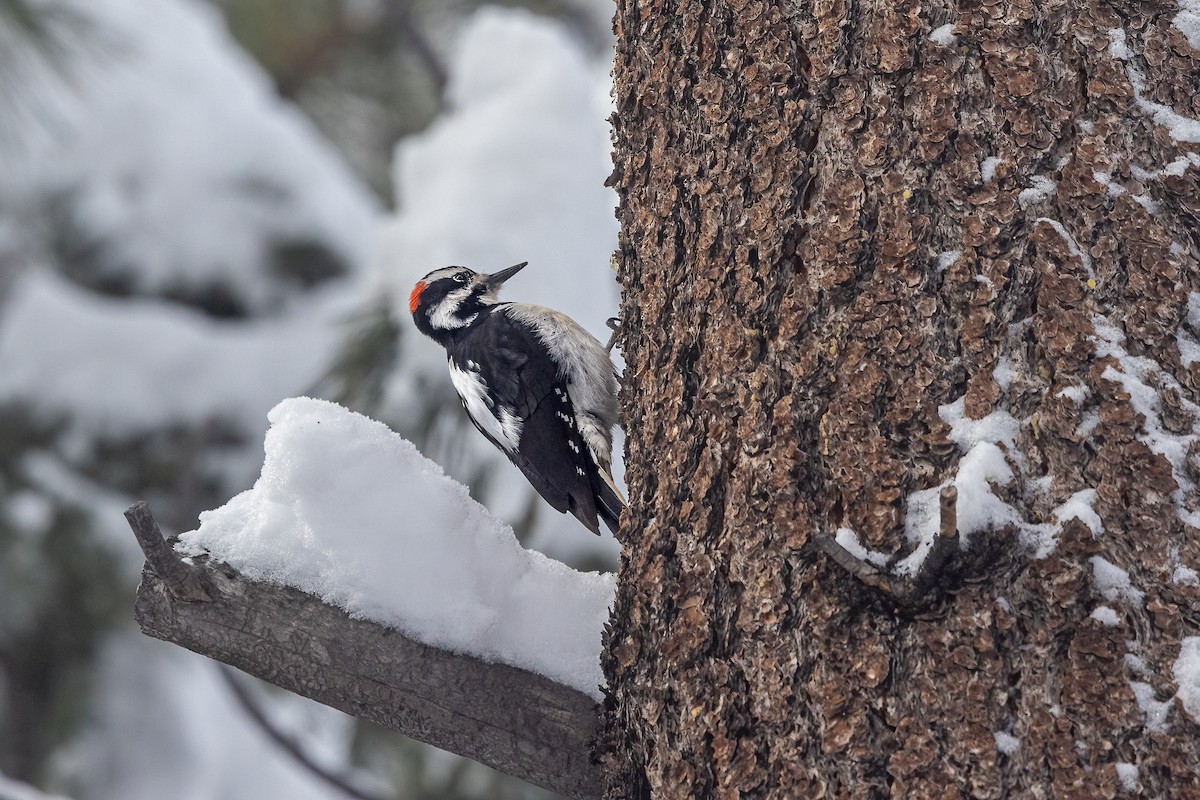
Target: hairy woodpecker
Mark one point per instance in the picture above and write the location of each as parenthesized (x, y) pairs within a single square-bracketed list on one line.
[(533, 381)]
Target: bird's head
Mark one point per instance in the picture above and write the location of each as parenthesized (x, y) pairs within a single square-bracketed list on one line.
[(450, 298)]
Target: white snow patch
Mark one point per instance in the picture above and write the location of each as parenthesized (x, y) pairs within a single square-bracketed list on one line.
[(1040, 486), (997, 427), (1003, 374), (1105, 179), (1105, 616), (1185, 576), (1187, 21), (1133, 375), (1089, 423), (946, 258), (1072, 246), (1187, 675), (1189, 348), (1176, 168), (943, 35), (1180, 165), (349, 511), (978, 507), (1154, 711), (984, 463), (1005, 606), (987, 168), (1041, 188), (1113, 582), (1147, 202), (1006, 743), (848, 539), (1142, 174), (1137, 664), (1077, 394), (1128, 775), (1080, 506), (1179, 127), (127, 365), (1117, 46)]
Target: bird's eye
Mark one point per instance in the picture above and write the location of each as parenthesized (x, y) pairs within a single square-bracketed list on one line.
[(461, 277)]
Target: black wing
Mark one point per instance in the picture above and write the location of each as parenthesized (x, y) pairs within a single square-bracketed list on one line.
[(519, 375)]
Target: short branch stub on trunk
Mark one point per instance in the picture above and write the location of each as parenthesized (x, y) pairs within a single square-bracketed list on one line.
[(905, 593)]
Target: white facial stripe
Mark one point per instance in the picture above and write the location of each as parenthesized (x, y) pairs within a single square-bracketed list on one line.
[(506, 429), (442, 316), (444, 272)]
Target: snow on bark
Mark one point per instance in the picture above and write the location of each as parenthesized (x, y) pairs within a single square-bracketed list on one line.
[(1180, 127), (834, 340), (1186, 671), (943, 35), (988, 445), (1139, 376), (1187, 22)]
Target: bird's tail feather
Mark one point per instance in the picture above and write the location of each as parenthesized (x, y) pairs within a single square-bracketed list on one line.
[(609, 501)]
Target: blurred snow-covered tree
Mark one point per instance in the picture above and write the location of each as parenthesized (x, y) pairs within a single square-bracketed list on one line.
[(170, 236), (178, 251)]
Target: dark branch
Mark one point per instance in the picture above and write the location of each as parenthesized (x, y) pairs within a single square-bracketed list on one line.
[(182, 580), (515, 721), (945, 543), (285, 742), (905, 593)]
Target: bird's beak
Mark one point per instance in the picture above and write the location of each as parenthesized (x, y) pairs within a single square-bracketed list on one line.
[(497, 279)]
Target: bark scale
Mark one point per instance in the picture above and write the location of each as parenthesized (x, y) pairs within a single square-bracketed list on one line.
[(833, 226)]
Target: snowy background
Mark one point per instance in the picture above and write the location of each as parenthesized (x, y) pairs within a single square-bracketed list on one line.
[(207, 208)]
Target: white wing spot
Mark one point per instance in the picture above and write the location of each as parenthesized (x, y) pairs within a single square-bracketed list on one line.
[(505, 429)]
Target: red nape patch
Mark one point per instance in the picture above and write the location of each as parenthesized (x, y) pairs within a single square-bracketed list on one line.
[(414, 299)]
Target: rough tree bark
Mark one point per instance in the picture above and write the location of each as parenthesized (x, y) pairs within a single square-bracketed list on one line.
[(832, 226)]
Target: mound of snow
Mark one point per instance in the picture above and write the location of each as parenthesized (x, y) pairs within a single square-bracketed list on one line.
[(349, 511)]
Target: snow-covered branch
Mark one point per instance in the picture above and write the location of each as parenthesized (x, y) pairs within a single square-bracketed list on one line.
[(516, 721)]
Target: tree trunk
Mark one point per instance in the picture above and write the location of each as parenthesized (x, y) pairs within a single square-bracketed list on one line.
[(839, 235)]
